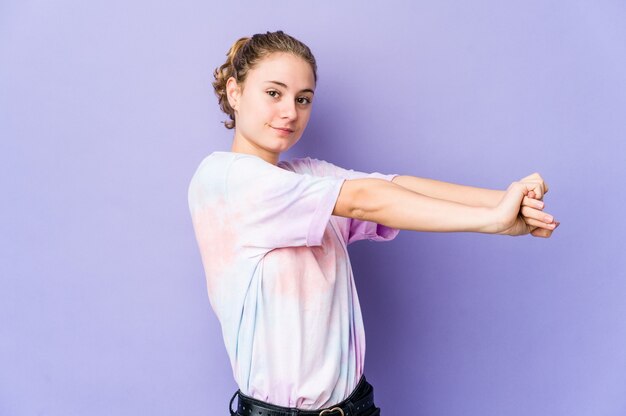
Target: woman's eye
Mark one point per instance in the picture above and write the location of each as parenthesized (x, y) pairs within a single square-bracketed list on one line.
[(304, 100), (273, 93)]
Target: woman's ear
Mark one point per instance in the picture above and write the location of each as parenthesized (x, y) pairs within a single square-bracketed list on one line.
[(232, 93)]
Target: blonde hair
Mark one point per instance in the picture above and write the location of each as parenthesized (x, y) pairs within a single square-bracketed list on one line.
[(245, 54)]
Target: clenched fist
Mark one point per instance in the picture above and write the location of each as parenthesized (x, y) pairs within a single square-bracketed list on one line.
[(521, 212)]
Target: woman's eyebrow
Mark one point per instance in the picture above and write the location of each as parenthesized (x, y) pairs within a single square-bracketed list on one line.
[(285, 86)]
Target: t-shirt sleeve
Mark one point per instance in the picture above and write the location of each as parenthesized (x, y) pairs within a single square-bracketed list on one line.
[(273, 207), (358, 229)]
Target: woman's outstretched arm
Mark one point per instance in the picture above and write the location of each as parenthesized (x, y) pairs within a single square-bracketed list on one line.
[(392, 205), (468, 195)]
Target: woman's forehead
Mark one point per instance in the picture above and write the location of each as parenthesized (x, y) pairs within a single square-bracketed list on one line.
[(285, 68)]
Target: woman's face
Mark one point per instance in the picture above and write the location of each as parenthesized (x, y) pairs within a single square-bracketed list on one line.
[(274, 106)]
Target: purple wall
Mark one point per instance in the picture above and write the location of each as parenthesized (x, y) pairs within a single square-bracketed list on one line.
[(106, 109)]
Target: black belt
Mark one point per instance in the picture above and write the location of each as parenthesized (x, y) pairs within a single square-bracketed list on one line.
[(361, 399)]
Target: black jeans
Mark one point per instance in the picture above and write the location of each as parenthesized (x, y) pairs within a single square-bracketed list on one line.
[(362, 389)]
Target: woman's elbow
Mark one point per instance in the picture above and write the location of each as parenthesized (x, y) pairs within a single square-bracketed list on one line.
[(357, 198)]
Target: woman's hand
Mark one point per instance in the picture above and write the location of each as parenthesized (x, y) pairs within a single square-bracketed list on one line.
[(532, 207), (520, 210)]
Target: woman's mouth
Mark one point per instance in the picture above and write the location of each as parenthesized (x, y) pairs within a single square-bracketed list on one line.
[(283, 131)]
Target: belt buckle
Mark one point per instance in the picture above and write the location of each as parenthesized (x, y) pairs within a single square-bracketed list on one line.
[(328, 411)]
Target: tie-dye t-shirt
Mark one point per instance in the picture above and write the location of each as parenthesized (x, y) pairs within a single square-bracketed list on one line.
[(278, 274)]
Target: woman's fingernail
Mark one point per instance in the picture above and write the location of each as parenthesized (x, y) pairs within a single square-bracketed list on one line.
[(548, 218)]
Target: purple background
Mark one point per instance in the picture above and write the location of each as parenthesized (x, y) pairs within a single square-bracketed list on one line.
[(106, 109)]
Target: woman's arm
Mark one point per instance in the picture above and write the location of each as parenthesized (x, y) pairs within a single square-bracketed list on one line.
[(468, 195), (390, 204)]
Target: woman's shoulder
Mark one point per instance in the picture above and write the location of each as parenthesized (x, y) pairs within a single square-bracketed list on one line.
[(220, 161), (210, 174)]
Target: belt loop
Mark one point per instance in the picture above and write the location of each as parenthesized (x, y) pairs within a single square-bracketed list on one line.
[(351, 409), (230, 405), (295, 412)]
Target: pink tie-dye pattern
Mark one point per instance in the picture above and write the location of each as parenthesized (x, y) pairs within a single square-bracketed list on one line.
[(290, 314), (217, 239)]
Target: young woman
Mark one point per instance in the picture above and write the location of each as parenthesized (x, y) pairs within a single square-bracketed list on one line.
[(273, 236)]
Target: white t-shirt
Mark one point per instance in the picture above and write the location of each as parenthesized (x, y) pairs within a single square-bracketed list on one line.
[(279, 277)]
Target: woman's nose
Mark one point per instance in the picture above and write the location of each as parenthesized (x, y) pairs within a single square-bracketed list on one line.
[(288, 110)]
